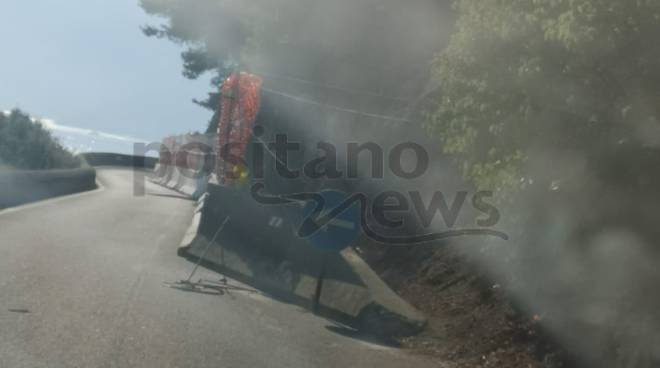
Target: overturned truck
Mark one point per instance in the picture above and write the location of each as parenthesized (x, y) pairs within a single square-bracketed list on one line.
[(275, 152)]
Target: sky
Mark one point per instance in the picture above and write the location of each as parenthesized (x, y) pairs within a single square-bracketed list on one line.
[(86, 67)]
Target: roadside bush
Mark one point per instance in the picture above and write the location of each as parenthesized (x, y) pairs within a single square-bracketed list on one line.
[(526, 76), (27, 145)]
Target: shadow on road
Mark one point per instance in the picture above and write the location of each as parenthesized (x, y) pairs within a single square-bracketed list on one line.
[(359, 335)]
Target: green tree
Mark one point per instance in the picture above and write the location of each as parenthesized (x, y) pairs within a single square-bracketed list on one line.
[(25, 144), (211, 31), (371, 49), (524, 75)]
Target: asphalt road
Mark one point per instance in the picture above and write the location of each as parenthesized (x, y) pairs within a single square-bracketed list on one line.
[(81, 285)]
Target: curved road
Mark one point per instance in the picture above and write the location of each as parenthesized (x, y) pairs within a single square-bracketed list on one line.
[(81, 285)]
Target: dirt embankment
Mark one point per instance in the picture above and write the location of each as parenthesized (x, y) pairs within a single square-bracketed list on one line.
[(581, 266), (472, 321)]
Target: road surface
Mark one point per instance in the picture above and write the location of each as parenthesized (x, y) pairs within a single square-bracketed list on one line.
[(81, 285)]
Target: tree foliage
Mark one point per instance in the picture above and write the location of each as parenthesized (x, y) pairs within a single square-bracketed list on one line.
[(213, 33), (524, 75), (25, 144), (381, 47)]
